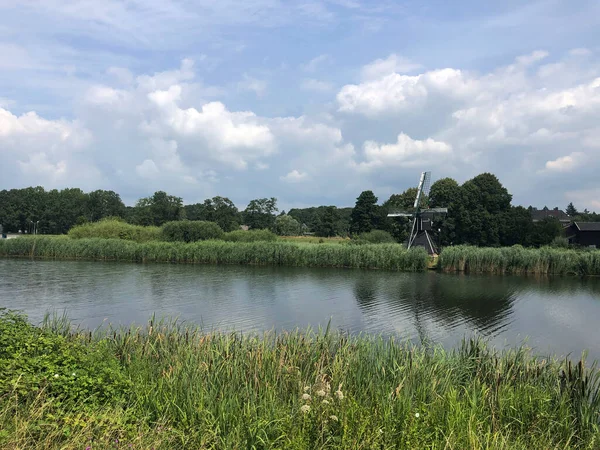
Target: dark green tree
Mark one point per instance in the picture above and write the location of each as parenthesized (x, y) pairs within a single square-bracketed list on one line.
[(260, 213), (328, 222), (515, 226), (446, 193), (571, 210), (366, 214), (544, 231), (286, 225), (102, 204), (158, 209)]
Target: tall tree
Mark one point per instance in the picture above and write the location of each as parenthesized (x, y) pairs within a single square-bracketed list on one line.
[(158, 209), (260, 213), (102, 204), (398, 226), (328, 222), (571, 210), (286, 225), (366, 213), (446, 193)]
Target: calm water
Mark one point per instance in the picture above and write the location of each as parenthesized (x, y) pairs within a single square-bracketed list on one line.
[(559, 315)]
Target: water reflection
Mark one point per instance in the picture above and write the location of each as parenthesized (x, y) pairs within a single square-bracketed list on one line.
[(557, 313)]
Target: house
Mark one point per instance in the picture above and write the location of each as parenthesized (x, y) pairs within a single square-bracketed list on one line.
[(537, 215), (586, 234)]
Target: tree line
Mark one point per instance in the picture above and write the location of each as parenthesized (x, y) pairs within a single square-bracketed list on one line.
[(479, 213)]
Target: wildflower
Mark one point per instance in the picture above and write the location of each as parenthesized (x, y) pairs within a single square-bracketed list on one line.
[(306, 388), (417, 415), (306, 397), (305, 408), (55, 375), (339, 394), (325, 402), (73, 374), (334, 418), (321, 393), (380, 431)]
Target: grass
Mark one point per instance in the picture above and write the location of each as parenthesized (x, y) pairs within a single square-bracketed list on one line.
[(369, 256), (519, 260), (174, 386), (316, 239)]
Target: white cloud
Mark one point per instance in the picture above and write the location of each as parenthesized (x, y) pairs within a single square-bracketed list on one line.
[(405, 152), (392, 64), (566, 163), (532, 58), (580, 52), (147, 169), (311, 84), (294, 176)]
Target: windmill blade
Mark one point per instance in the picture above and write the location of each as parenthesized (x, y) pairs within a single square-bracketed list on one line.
[(400, 214), (427, 183), (435, 211), (424, 183)]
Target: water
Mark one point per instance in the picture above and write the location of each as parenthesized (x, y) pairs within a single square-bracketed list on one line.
[(557, 315)]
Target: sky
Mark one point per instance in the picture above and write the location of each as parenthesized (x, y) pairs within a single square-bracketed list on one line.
[(309, 101)]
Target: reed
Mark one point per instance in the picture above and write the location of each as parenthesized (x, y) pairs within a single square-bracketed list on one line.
[(520, 260), (300, 389), (370, 256)]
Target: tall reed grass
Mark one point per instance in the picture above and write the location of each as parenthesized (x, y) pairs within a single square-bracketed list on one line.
[(375, 256), (304, 389), (520, 260)]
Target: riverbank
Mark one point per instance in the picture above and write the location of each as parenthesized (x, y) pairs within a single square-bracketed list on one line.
[(368, 256), (504, 260), (169, 386)]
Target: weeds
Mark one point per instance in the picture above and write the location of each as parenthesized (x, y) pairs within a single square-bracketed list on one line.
[(301, 389)]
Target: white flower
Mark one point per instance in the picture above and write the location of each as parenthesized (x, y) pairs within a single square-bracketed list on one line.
[(306, 397), (325, 402), (306, 388), (334, 418), (55, 375), (321, 393), (305, 408), (73, 374), (417, 415), (380, 431), (339, 394)]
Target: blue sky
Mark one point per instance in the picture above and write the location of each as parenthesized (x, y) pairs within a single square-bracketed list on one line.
[(311, 101)]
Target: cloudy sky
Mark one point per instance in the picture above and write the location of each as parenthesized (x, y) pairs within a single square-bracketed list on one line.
[(310, 101)]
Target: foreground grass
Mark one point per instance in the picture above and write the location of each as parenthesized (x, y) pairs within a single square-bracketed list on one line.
[(169, 386), (372, 256), (520, 260)]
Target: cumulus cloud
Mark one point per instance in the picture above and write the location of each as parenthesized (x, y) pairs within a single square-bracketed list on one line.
[(294, 176), (566, 163), (392, 64), (405, 152), (312, 65)]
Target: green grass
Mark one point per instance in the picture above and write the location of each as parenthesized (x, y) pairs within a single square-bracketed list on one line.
[(176, 387), (370, 256), (519, 260)]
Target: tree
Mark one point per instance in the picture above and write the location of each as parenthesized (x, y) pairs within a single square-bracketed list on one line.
[(446, 193), (218, 209), (260, 213), (515, 226), (366, 214), (328, 221), (286, 225), (398, 226), (102, 204), (544, 231), (158, 209), (571, 210)]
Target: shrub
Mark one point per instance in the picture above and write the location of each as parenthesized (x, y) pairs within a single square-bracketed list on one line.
[(113, 228), (376, 237), (191, 231), (249, 236), (35, 359)]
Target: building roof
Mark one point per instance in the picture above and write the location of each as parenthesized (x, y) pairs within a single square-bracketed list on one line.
[(588, 226), (541, 214)]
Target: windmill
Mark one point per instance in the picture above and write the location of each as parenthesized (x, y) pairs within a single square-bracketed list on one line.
[(422, 217)]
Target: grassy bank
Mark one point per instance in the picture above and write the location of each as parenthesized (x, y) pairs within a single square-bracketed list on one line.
[(372, 256), (168, 386), (519, 260)]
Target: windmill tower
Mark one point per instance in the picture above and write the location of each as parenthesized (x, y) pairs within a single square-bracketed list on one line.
[(422, 218)]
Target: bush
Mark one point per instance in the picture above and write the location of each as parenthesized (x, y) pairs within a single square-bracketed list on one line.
[(35, 360), (249, 236), (115, 228), (191, 231), (560, 242), (376, 237)]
